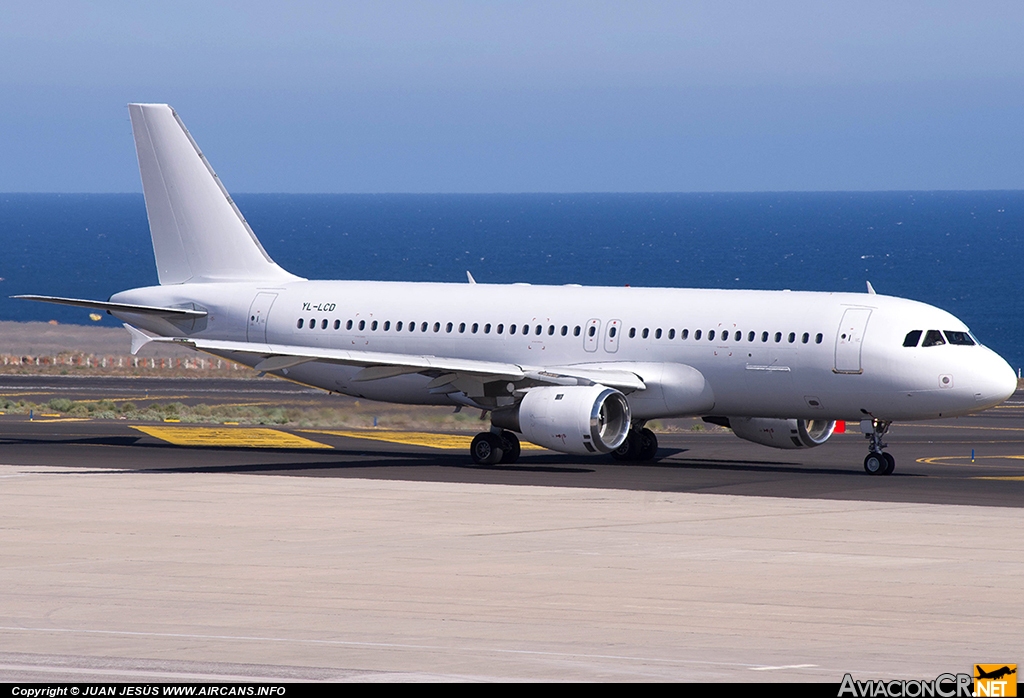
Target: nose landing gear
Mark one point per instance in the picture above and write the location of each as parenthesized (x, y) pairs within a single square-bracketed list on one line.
[(878, 462)]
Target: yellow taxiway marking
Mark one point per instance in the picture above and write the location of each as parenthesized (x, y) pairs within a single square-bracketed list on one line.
[(414, 438), (938, 460), (964, 426), (961, 461), (60, 419), (245, 438)]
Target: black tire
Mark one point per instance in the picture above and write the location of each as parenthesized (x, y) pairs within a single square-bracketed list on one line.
[(510, 448), (486, 449), (890, 463), (648, 445), (630, 448), (875, 464)]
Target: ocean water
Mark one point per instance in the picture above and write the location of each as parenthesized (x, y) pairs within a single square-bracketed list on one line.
[(961, 251)]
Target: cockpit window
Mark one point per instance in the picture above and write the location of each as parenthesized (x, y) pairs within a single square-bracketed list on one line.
[(962, 338), (933, 338), (913, 337)]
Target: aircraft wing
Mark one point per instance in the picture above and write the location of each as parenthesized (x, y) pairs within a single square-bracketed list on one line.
[(449, 373)]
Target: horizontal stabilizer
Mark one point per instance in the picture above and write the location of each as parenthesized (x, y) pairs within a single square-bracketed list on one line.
[(117, 307)]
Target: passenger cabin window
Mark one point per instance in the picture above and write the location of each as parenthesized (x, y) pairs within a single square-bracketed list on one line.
[(299, 323), (912, 338), (933, 338)]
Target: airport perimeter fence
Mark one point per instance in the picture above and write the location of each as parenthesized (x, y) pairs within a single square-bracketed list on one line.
[(75, 363)]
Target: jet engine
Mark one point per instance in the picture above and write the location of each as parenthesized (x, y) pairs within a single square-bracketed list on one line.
[(569, 419), (779, 433)]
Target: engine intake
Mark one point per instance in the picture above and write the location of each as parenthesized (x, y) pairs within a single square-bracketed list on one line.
[(778, 433), (570, 419)]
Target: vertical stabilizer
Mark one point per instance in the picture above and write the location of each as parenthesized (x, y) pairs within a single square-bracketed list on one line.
[(199, 235)]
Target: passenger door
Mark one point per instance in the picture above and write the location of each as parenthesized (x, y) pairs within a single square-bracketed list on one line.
[(849, 340), (259, 311)]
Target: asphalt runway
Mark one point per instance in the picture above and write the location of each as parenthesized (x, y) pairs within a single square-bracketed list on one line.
[(934, 459), (327, 554)]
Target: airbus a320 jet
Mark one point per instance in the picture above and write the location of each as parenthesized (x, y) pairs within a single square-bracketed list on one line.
[(579, 370)]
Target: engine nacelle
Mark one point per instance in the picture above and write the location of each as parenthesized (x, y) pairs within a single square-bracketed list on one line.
[(570, 419), (782, 433)]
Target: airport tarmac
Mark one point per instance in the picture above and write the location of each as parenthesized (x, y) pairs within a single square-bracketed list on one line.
[(331, 554)]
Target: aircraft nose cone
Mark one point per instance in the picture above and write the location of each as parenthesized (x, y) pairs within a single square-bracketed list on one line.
[(996, 381)]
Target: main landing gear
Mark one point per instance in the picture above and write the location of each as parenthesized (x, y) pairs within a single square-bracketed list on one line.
[(640, 445), (878, 462), (493, 447)]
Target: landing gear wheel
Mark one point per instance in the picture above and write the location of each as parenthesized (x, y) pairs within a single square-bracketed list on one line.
[(890, 463), (630, 448), (878, 461), (875, 464), (486, 449), (509, 447), (648, 445)]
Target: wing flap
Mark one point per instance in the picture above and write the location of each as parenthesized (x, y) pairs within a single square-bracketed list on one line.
[(379, 365), (409, 363)]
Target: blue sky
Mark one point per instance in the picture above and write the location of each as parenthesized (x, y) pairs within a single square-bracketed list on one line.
[(454, 96)]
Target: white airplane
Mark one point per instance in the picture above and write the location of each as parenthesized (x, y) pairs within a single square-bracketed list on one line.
[(575, 369)]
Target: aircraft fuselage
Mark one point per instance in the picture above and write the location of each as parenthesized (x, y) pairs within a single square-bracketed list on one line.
[(763, 353)]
